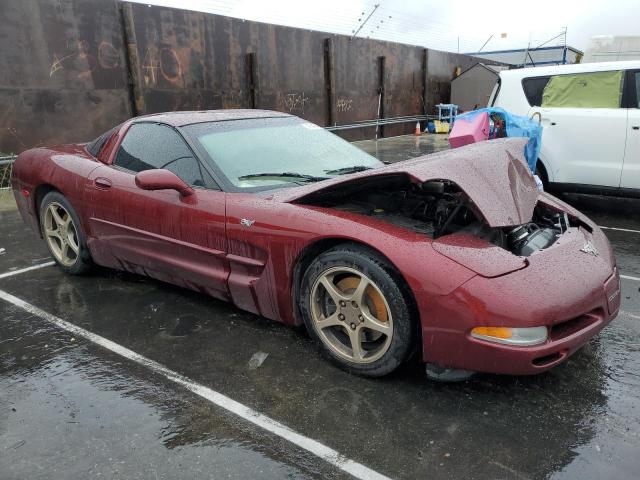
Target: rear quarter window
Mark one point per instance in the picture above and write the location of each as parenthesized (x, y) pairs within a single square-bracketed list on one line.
[(96, 145), (534, 88), (494, 93)]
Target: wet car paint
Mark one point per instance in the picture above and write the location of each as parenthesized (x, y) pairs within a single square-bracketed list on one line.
[(578, 411), (578, 421), (200, 241), (493, 174)]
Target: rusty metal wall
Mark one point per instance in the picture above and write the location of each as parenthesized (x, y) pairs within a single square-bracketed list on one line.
[(62, 71), (364, 88), (65, 67), (192, 60)]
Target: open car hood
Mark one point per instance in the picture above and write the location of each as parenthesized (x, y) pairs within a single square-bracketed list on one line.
[(494, 175)]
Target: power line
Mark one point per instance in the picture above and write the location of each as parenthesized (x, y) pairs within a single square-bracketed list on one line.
[(365, 21), (485, 43), (383, 23)]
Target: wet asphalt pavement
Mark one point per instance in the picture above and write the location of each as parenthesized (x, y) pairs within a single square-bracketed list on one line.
[(71, 409)]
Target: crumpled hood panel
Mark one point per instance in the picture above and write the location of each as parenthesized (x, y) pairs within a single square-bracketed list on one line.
[(493, 174), (478, 255)]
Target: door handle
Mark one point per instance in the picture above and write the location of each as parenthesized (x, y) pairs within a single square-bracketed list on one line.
[(636, 127), (102, 183)]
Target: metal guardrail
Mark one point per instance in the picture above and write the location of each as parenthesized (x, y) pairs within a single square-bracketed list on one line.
[(382, 121), (6, 165)]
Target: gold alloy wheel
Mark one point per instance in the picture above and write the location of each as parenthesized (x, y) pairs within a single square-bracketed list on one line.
[(351, 315), (61, 234)]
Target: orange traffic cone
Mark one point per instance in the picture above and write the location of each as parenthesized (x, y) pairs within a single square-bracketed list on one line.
[(418, 132)]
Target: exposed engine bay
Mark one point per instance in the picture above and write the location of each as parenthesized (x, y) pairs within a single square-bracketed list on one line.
[(438, 208)]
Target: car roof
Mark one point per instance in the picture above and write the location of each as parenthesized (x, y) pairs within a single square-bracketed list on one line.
[(573, 68), (180, 119)]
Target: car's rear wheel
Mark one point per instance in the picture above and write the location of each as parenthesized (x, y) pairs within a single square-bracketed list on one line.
[(61, 230), (356, 308)]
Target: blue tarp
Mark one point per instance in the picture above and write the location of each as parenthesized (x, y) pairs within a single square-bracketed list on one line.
[(516, 126)]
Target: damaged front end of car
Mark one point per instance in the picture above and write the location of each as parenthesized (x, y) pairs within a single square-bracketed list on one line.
[(479, 207), (477, 197), (438, 208)]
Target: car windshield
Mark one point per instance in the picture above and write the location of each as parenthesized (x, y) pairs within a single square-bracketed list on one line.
[(272, 152)]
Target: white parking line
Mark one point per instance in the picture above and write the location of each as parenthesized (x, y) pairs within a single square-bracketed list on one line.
[(619, 229), (629, 277), (27, 269), (316, 448), (632, 315)]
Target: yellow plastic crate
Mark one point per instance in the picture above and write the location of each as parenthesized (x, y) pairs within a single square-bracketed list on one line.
[(441, 127)]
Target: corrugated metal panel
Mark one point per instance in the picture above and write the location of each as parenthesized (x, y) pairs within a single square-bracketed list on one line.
[(65, 67), (62, 72)]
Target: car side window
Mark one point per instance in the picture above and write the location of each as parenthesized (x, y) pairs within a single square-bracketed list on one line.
[(533, 88), (150, 145), (584, 90), (637, 82), (94, 147)]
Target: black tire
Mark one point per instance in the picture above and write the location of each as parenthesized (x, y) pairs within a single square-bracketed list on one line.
[(83, 260), (542, 175), (390, 284)]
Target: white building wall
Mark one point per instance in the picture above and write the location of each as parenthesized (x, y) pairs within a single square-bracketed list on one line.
[(609, 48)]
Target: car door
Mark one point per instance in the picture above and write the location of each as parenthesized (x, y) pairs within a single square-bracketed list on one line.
[(631, 168), (584, 128), (175, 238)]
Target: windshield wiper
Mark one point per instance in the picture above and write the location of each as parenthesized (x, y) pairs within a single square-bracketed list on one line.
[(300, 176), (346, 170)]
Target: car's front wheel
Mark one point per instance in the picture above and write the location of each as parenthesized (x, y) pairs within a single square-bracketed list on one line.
[(355, 305), (61, 230)]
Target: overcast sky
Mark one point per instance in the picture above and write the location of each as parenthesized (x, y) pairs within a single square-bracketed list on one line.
[(442, 24)]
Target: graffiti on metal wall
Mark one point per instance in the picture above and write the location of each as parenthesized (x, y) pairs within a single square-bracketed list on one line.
[(295, 102), (78, 59), (233, 99), (160, 63), (108, 56), (344, 104)]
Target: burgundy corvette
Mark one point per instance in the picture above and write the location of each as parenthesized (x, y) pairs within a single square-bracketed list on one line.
[(455, 255)]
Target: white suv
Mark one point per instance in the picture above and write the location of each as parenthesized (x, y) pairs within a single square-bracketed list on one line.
[(590, 115)]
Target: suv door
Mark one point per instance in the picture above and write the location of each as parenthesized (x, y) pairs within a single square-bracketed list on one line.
[(631, 167), (159, 233), (584, 128)]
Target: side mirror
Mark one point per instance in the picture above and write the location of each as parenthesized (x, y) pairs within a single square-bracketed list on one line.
[(160, 179)]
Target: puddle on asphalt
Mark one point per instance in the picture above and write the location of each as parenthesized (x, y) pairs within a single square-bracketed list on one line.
[(184, 326), (65, 410)]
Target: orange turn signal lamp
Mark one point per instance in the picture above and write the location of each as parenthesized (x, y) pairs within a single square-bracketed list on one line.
[(522, 337), (496, 332)]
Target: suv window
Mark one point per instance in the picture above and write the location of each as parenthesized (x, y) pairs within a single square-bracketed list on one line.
[(584, 90), (533, 88), (494, 93), (150, 145), (637, 85)]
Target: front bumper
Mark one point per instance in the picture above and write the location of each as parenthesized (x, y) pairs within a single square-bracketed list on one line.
[(575, 294)]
